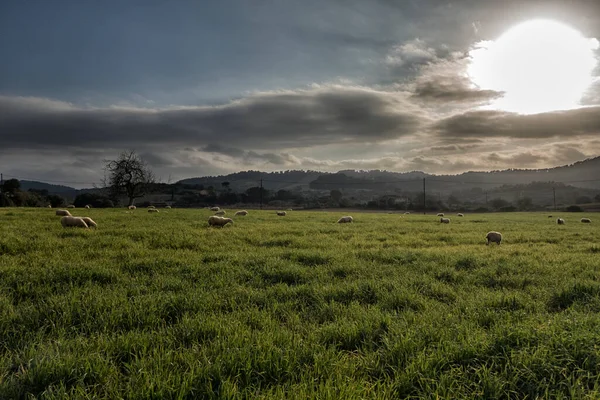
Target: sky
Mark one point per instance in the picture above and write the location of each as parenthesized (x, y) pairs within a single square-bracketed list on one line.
[(213, 87)]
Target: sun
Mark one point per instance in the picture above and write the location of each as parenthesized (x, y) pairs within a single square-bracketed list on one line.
[(540, 65)]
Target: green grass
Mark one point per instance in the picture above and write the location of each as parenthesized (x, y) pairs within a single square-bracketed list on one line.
[(160, 306)]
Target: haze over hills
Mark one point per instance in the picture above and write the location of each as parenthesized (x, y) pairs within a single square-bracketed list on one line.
[(582, 174)]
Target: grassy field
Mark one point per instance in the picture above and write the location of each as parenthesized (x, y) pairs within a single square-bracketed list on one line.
[(160, 306)]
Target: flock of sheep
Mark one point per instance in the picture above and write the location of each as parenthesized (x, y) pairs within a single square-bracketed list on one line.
[(218, 220)]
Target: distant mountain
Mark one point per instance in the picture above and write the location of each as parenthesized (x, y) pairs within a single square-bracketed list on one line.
[(582, 174), (52, 189)]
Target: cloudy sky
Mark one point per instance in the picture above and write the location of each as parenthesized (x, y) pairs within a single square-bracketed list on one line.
[(212, 87)]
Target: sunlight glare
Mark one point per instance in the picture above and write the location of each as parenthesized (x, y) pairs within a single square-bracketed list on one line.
[(540, 65)]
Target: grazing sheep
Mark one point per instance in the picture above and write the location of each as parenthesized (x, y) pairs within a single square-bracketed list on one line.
[(586, 220), (460, 215), (220, 212), (132, 207), (281, 213), (152, 210), (90, 222), (560, 221), (440, 215), (151, 207), (63, 213), (70, 206), (49, 205), (88, 206), (242, 212), (345, 219), (493, 237), (168, 207), (219, 221), (289, 209), (214, 209), (68, 221), (444, 220)]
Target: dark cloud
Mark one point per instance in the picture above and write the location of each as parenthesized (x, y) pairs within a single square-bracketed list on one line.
[(488, 123), (228, 151), (326, 114), (453, 89)]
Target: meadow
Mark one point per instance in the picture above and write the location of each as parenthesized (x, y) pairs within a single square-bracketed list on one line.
[(160, 306)]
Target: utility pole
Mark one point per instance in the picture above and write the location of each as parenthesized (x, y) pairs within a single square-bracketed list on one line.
[(261, 192), (554, 193), (424, 203)]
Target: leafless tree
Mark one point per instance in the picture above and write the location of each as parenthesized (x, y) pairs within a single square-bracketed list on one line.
[(129, 175)]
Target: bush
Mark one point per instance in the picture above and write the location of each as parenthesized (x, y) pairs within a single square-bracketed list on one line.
[(574, 209)]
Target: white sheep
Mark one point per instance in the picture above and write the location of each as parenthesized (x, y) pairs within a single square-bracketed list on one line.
[(69, 221), (63, 213), (586, 220), (281, 213), (445, 220), (214, 209), (493, 237), (345, 219), (440, 214), (218, 221), (70, 206), (406, 213), (151, 207), (242, 212), (49, 205), (168, 207), (220, 212), (560, 221), (289, 209), (152, 210), (90, 222), (132, 207), (460, 215), (88, 206)]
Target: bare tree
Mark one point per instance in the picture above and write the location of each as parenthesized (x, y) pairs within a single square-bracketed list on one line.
[(129, 175)]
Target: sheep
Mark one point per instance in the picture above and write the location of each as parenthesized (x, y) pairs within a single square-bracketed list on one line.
[(49, 205), (493, 237), (70, 206), (440, 215), (281, 213), (406, 213), (90, 222), (168, 207), (444, 220), (586, 220), (132, 207), (63, 213), (289, 209), (152, 210), (560, 221), (220, 212), (218, 221), (242, 212), (151, 207), (68, 221), (214, 209), (88, 206), (460, 215), (345, 219)]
